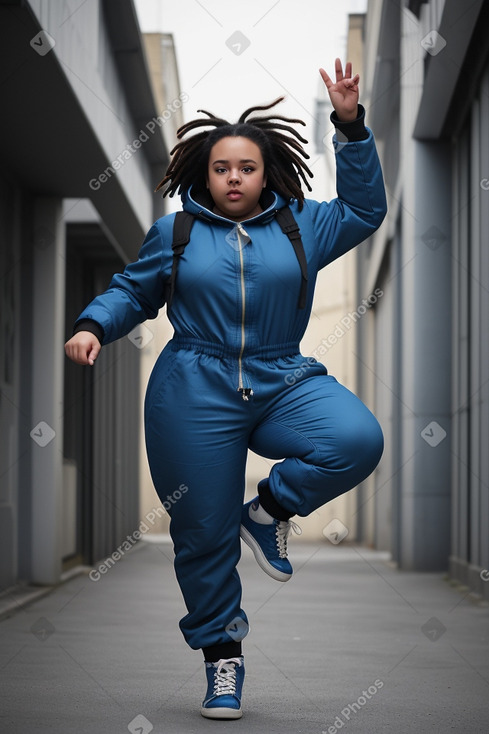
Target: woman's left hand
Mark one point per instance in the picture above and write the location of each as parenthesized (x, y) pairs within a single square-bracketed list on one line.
[(343, 93)]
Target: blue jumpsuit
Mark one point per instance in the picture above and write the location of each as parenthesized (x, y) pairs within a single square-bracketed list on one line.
[(237, 325)]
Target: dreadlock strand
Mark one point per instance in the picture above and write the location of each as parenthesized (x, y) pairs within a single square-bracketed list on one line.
[(181, 152), (294, 120), (291, 171), (265, 124), (290, 160), (190, 144), (298, 161), (202, 122), (285, 142), (260, 108), (214, 118)]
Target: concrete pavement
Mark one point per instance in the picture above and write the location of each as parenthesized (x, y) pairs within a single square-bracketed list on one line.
[(348, 645)]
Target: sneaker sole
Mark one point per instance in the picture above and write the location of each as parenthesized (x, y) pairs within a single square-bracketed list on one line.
[(260, 557), (221, 713)]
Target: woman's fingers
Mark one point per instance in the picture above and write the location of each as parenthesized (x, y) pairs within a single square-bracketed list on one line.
[(346, 78), (94, 353), (352, 82), (83, 348), (338, 70), (326, 79)]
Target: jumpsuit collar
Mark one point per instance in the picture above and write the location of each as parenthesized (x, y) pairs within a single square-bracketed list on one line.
[(200, 207)]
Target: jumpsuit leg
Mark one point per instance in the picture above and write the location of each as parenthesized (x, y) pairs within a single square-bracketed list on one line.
[(197, 452), (330, 439)]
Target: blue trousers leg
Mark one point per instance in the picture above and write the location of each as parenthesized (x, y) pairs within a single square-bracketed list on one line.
[(330, 439), (196, 443)]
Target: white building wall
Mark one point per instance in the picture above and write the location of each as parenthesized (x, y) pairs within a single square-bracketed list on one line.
[(84, 52)]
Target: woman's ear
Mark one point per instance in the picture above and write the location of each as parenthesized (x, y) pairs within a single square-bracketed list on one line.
[(264, 181)]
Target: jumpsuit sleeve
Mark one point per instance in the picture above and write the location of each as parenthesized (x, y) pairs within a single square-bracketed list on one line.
[(360, 206), (133, 296)]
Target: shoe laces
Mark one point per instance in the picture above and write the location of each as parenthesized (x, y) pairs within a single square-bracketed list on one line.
[(225, 676), (282, 532)]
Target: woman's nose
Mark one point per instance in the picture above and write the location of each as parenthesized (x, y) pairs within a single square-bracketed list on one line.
[(234, 176)]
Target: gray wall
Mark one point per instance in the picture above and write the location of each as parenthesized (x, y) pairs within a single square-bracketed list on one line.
[(76, 93), (427, 351), (470, 359)]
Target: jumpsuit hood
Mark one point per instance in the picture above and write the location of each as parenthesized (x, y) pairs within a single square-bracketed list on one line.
[(200, 203)]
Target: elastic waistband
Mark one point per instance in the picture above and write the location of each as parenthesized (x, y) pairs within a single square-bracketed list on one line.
[(269, 351)]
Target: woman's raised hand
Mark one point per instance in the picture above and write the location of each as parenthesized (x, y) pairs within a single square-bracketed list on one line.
[(344, 92)]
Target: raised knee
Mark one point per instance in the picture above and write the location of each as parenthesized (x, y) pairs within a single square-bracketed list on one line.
[(365, 443), (373, 437), (356, 444)]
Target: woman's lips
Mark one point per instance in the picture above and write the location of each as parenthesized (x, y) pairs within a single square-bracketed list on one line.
[(234, 195)]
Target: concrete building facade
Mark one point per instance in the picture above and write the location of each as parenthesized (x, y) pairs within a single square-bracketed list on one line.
[(81, 149), (423, 364)]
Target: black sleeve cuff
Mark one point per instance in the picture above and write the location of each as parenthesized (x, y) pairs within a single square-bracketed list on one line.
[(91, 326), (354, 130)]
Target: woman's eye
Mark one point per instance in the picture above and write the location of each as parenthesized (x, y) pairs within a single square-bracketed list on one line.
[(247, 169)]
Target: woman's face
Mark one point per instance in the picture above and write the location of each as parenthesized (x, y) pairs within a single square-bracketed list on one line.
[(236, 178)]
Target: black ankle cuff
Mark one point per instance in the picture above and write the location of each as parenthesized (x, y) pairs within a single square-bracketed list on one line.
[(222, 652), (270, 504)]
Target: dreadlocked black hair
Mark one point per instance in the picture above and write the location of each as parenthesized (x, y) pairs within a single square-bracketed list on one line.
[(282, 154)]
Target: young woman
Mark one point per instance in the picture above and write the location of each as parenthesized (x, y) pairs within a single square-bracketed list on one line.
[(241, 300)]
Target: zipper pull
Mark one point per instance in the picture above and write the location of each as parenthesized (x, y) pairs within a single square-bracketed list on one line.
[(246, 392)]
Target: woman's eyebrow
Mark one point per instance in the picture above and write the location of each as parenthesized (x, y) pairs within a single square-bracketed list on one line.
[(243, 160)]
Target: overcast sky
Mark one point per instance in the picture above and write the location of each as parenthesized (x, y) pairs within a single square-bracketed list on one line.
[(234, 55)]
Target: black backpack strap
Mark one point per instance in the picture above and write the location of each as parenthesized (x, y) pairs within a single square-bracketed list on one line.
[(182, 227), (289, 226)]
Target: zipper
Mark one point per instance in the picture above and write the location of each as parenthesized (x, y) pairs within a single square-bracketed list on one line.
[(246, 392)]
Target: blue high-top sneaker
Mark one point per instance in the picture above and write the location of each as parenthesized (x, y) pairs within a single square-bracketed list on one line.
[(267, 538), (224, 685)]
